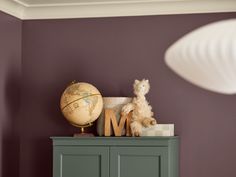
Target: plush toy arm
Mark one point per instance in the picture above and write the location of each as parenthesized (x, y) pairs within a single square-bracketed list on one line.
[(148, 121), (126, 109)]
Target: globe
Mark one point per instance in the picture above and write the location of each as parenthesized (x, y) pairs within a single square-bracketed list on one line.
[(81, 104)]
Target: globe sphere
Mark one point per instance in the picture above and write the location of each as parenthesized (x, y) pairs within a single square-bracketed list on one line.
[(81, 103)]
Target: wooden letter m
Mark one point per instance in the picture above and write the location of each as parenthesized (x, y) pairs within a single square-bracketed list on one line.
[(110, 118)]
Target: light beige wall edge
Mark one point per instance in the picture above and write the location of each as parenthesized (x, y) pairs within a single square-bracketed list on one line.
[(116, 8)]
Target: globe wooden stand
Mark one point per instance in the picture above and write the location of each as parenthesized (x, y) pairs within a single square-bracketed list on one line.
[(82, 133)]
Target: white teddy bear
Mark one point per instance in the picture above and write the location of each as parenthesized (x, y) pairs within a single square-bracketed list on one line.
[(142, 114)]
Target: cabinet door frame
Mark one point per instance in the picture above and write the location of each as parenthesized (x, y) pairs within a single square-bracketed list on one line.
[(117, 152), (101, 151)]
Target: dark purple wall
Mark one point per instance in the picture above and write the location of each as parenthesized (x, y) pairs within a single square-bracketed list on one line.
[(10, 73), (110, 53)]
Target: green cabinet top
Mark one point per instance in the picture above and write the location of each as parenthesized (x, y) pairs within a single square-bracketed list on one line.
[(115, 141)]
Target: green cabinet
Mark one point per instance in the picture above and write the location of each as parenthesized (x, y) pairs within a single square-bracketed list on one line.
[(115, 157)]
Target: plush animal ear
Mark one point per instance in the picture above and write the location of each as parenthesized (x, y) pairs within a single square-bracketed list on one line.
[(145, 80), (136, 81)]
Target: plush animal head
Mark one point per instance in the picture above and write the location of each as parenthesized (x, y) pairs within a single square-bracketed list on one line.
[(141, 87)]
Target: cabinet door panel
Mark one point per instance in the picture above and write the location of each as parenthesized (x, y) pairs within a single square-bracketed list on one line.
[(139, 162), (81, 161)]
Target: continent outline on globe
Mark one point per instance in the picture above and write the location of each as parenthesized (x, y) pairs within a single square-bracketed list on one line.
[(81, 103)]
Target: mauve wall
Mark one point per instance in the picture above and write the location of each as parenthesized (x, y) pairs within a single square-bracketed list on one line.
[(110, 53), (10, 73)]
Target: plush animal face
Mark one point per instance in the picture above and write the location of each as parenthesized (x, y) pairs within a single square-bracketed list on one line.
[(141, 87)]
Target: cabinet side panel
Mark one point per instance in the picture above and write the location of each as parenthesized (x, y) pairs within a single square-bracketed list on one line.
[(173, 158), (56, 162)]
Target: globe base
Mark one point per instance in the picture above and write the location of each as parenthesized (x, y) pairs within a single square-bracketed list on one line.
[(82, 132)]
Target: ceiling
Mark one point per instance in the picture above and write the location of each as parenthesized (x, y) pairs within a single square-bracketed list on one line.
[(53, 9), (69, 2)]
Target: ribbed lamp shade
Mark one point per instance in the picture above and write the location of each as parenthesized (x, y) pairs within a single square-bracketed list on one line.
[(206, 57)]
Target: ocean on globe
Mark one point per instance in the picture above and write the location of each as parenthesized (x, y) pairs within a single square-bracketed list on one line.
[(81, 103)]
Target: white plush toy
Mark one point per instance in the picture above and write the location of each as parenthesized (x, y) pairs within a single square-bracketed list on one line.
[(142, 115)]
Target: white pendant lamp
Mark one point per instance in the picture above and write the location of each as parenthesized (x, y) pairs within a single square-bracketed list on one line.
[(206, 57)]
